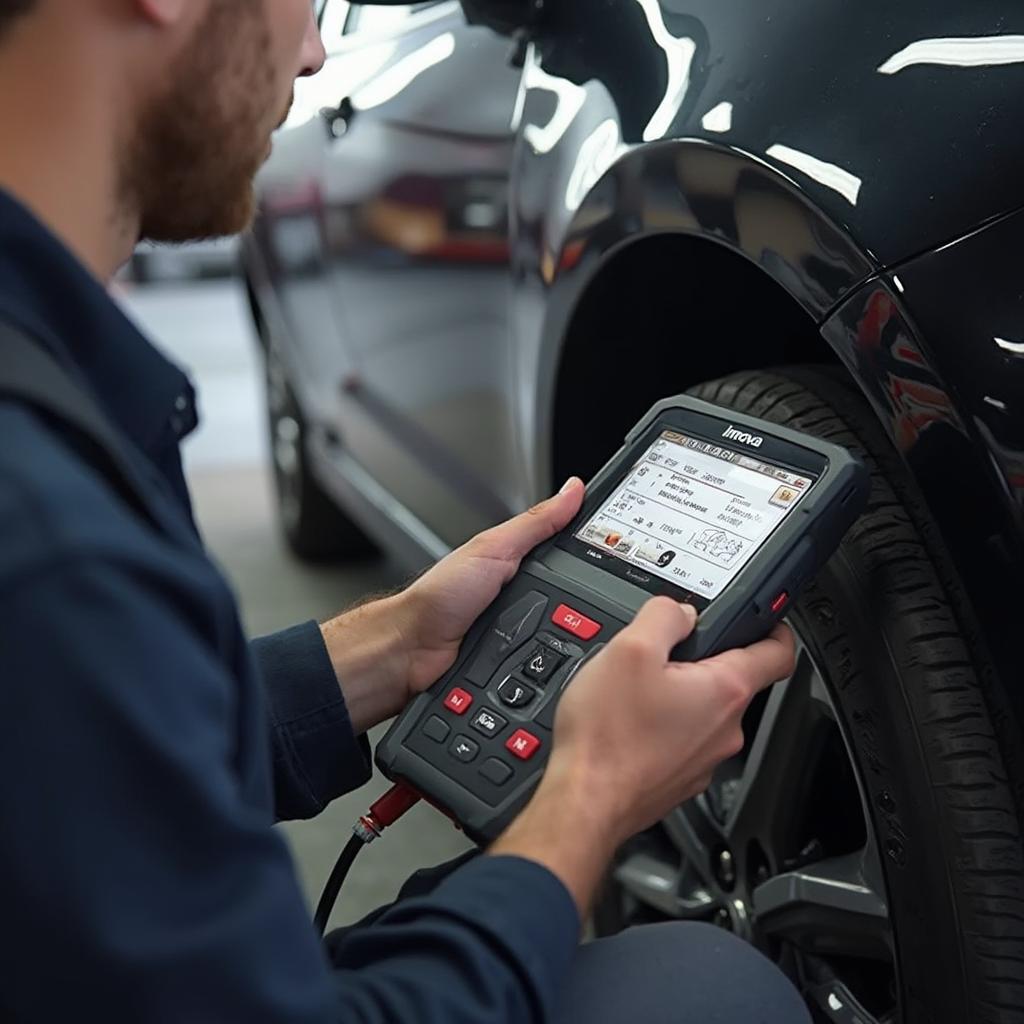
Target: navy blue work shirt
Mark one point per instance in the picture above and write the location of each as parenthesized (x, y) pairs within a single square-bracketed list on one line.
[(147, 748)]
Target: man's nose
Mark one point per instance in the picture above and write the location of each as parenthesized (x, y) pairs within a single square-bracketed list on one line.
[(313, 53)]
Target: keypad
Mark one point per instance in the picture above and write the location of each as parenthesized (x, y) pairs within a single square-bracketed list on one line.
[(488, 728)]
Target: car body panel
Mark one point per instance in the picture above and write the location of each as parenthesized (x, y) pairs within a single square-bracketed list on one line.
[(823, 92)]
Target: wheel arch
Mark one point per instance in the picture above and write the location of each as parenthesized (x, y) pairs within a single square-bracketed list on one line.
[(679, 222)]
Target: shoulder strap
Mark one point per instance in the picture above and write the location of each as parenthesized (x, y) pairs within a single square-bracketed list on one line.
[(28, 373)]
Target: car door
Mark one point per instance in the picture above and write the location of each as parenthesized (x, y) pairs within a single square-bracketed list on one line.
[(415, 258), (289, 230)]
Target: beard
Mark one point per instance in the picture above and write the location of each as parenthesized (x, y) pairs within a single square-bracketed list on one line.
[(198, 143)]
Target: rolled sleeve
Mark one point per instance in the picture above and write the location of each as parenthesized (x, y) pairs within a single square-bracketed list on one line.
[(316, 754)]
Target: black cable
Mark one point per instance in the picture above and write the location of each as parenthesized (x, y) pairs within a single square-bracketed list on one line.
[(334, 883)]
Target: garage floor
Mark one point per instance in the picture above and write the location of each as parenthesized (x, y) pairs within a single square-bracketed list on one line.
[(204, 327)]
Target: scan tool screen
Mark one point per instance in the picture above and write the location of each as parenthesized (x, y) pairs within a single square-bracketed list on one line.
[(693, 512)]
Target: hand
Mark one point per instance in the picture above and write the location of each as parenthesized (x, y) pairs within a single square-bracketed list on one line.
[(444, 602), (636, 735), (387, 651)]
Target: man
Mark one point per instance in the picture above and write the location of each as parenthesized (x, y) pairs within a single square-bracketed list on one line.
[(140, 876)]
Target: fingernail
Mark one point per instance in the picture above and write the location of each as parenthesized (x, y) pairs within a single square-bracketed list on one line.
[(568, 485), (688, 610)]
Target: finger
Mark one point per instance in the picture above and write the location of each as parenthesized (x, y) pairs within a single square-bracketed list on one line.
[(662, 623), (763, 663), (515, 537)]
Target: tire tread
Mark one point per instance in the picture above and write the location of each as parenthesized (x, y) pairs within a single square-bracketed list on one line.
[(899, 544)]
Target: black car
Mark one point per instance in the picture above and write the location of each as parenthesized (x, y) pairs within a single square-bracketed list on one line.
[(489, 241)]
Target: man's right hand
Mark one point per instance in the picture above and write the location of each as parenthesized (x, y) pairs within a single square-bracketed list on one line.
[(636, 735)]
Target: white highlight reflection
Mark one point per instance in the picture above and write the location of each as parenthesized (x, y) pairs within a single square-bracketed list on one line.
[(830, 175), (570, 102), (679, 57), (402, 74), (718, 119), (959, 52), (598, 152), (1013, 347)]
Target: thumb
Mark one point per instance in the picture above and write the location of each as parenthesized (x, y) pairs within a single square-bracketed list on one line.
[(518, 535), (663, 623)]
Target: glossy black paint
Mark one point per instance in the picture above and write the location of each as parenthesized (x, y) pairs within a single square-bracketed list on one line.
[(428, 244), (971, 486), (831, 80)]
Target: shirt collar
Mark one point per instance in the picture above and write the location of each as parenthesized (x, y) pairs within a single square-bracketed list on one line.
[(48, 293)]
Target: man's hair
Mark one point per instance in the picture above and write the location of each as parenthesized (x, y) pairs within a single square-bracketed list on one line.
[(11, 9)]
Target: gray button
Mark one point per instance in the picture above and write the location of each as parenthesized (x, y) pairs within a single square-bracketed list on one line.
[(436, 729), (495, 771), (464, 749)]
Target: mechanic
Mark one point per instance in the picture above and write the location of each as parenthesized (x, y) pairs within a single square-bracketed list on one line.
[(147, 749)]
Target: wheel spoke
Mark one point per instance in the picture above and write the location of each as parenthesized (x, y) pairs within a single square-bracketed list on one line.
[(656, 883), (769, 794), (827, 908), (696, 834)]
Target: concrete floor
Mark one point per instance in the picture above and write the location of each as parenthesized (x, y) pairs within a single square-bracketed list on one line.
[(204, 327)]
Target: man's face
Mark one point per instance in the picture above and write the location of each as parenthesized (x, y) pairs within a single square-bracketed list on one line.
[(199, 142)]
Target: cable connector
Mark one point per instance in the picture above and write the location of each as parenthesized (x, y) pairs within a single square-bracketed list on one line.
[(382, 813), (385, 811)]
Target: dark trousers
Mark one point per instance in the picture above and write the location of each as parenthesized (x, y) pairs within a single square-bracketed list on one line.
[(674, 973), (677, 973)]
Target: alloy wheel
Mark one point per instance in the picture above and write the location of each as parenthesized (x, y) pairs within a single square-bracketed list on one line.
[(780, 850)]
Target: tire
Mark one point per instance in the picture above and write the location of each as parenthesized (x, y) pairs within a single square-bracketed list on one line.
[(895, 891), (315, 529)]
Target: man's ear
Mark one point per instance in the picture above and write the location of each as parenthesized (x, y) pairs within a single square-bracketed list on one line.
[(165, 12)]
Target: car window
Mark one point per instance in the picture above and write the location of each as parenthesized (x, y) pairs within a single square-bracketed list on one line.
[(381, 19)]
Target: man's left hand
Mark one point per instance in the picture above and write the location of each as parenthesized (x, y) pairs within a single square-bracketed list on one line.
[(443, 603), (388, 651)]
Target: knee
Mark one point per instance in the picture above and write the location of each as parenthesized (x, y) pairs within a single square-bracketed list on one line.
[(737, 981), (680, 971)]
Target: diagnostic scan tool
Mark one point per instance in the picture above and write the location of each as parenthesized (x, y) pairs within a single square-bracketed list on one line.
[(708, 506)]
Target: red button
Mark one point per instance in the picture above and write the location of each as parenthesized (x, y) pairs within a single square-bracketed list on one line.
[(780, 601), (522, 744), (572, 622), (458, 701)]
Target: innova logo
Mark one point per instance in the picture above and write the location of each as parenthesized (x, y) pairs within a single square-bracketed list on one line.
[(737, 435)]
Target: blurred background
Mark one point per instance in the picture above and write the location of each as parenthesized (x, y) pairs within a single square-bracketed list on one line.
[(191, 301)]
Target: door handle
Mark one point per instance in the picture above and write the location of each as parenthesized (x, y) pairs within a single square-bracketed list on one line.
[(338, 119)]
